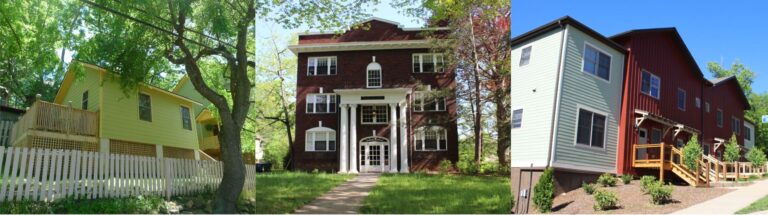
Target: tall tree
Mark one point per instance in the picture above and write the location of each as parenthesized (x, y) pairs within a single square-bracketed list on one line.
[(135, 38)]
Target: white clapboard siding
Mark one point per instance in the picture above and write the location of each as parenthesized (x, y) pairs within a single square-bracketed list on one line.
[(51, 174)]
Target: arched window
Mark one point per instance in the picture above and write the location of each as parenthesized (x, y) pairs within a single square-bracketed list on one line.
[(431, 138), (373, 74), (320, 139)]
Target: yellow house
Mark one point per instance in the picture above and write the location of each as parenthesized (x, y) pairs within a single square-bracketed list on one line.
[(92, 113)]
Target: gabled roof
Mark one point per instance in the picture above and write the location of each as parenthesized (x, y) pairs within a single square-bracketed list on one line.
[(678, 40), (715, 82), (562, 22)]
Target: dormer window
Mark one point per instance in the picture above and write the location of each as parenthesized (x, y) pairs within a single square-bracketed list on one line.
[(317, 66), (428, 63), (373, 74)]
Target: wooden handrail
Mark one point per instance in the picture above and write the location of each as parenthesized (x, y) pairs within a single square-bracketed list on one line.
[(46, 116)]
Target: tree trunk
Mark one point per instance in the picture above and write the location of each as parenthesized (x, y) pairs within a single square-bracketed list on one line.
[(478, 104), (503, 129), (234, 169)]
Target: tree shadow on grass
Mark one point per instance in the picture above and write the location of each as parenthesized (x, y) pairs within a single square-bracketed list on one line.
[(561, 206)]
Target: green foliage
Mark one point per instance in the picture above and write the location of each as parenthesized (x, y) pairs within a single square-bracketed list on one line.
[(627, 178), (692, 153), (588, 188), (605, 200), (646, 182), (756, 156), (126, 205), (445, 166), (607, 180), (732, 152), (660, 193), (743, 74), (759, 205), (544, 191)]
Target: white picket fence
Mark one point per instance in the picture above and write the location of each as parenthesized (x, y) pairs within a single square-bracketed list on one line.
[(5, 132), (47, 175)]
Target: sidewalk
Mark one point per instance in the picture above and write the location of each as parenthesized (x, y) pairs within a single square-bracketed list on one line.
[(730, 202), (346, 198)]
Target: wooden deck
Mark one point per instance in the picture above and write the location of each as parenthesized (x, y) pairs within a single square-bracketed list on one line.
[(55, 121)]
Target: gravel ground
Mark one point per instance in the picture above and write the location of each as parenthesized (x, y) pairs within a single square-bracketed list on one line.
[(633, 201)]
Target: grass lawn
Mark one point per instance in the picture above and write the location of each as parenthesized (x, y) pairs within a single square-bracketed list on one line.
[(421, 193), (283, 192), (759, 205)]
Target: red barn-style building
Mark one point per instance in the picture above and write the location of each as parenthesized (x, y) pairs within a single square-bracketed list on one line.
[(373, 99)]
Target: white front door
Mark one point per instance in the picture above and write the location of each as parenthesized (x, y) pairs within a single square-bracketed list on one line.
[(642, 138), (374, 157)]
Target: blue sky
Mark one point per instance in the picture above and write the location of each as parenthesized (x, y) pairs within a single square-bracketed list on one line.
[(720, 31)]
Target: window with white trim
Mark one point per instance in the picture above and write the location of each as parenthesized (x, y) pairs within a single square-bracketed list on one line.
[(517, 118), (321, 103), (373, 74), (426, 101), (428, 63), (591, 129), (431, 138), (650, 84), (736, 126), (320, 139), (525, 56), (373, 114), (596, 62), (318, 66), (681, 99), (719, 118)]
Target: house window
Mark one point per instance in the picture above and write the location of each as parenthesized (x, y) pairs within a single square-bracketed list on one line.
[(317, 66), (84, 103), (747, 133), (426, 101), (145, 107), (655, 135), (650, 85), (525, 57), (706, 107), (186, 121), (321, 103), (428, 63), (698, 102), (374, 114), (736, 126), (591, 129), (517, 118), (596, 62), (719, 118), (433, 138), (320, 139), (680, 99), (373, 74)]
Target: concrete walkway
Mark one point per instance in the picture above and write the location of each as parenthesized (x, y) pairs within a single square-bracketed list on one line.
[(346, 198), (730, 202)]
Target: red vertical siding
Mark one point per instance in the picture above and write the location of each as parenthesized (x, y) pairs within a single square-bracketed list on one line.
[(723, 96)]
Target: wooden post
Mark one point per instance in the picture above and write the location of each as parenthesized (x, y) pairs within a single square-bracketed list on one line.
[(661, 164), (708, 171), (634, 155)]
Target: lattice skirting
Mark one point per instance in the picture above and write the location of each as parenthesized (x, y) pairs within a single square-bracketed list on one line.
[(56, 143), (131, 148), (180, 153)]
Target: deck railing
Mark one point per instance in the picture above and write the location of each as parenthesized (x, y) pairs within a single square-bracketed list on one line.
[(46, 116), (211, 142)]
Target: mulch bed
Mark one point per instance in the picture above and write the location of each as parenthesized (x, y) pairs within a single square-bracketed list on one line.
[(633, 201)]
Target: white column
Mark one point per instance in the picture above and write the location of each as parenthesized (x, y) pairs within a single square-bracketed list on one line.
[(393, 137), (343, 154), (353, 139), (403, 138)]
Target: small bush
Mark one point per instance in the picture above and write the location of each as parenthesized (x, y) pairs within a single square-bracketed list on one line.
[(607, 180), (544, 191), (588, 188), (315, 171), (660, 193), (756, 156), (692, 153), (605, 200), (646, 182), (627, 178), (467, 167), (445, 166), (732, 152)]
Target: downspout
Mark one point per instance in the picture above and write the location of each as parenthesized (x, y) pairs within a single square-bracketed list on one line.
[(556, 107)]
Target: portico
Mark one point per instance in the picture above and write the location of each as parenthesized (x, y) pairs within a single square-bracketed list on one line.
[(372, 152)]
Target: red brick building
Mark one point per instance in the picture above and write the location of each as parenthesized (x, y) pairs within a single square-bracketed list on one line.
[(373, 99)]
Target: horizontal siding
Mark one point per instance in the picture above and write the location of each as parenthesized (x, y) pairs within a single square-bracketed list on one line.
[(89, 80), (580, 89), (533, 89)]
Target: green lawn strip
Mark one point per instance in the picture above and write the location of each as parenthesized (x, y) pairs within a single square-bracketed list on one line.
[(128, 205), (759, 205), (285, 192), (421, 193)]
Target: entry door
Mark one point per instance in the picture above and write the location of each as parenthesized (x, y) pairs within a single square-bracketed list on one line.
[(642, 138), (374, 157)]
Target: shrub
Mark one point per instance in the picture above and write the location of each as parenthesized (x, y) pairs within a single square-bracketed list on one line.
[(467, 167), (660, 193), (645, 182), (489, 167), (315, 171), (756, 156), (588, 188), (445, 166), (544, 191), (607, 180), (627, 178), (605, 200), (692, 153), (731, 153)]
